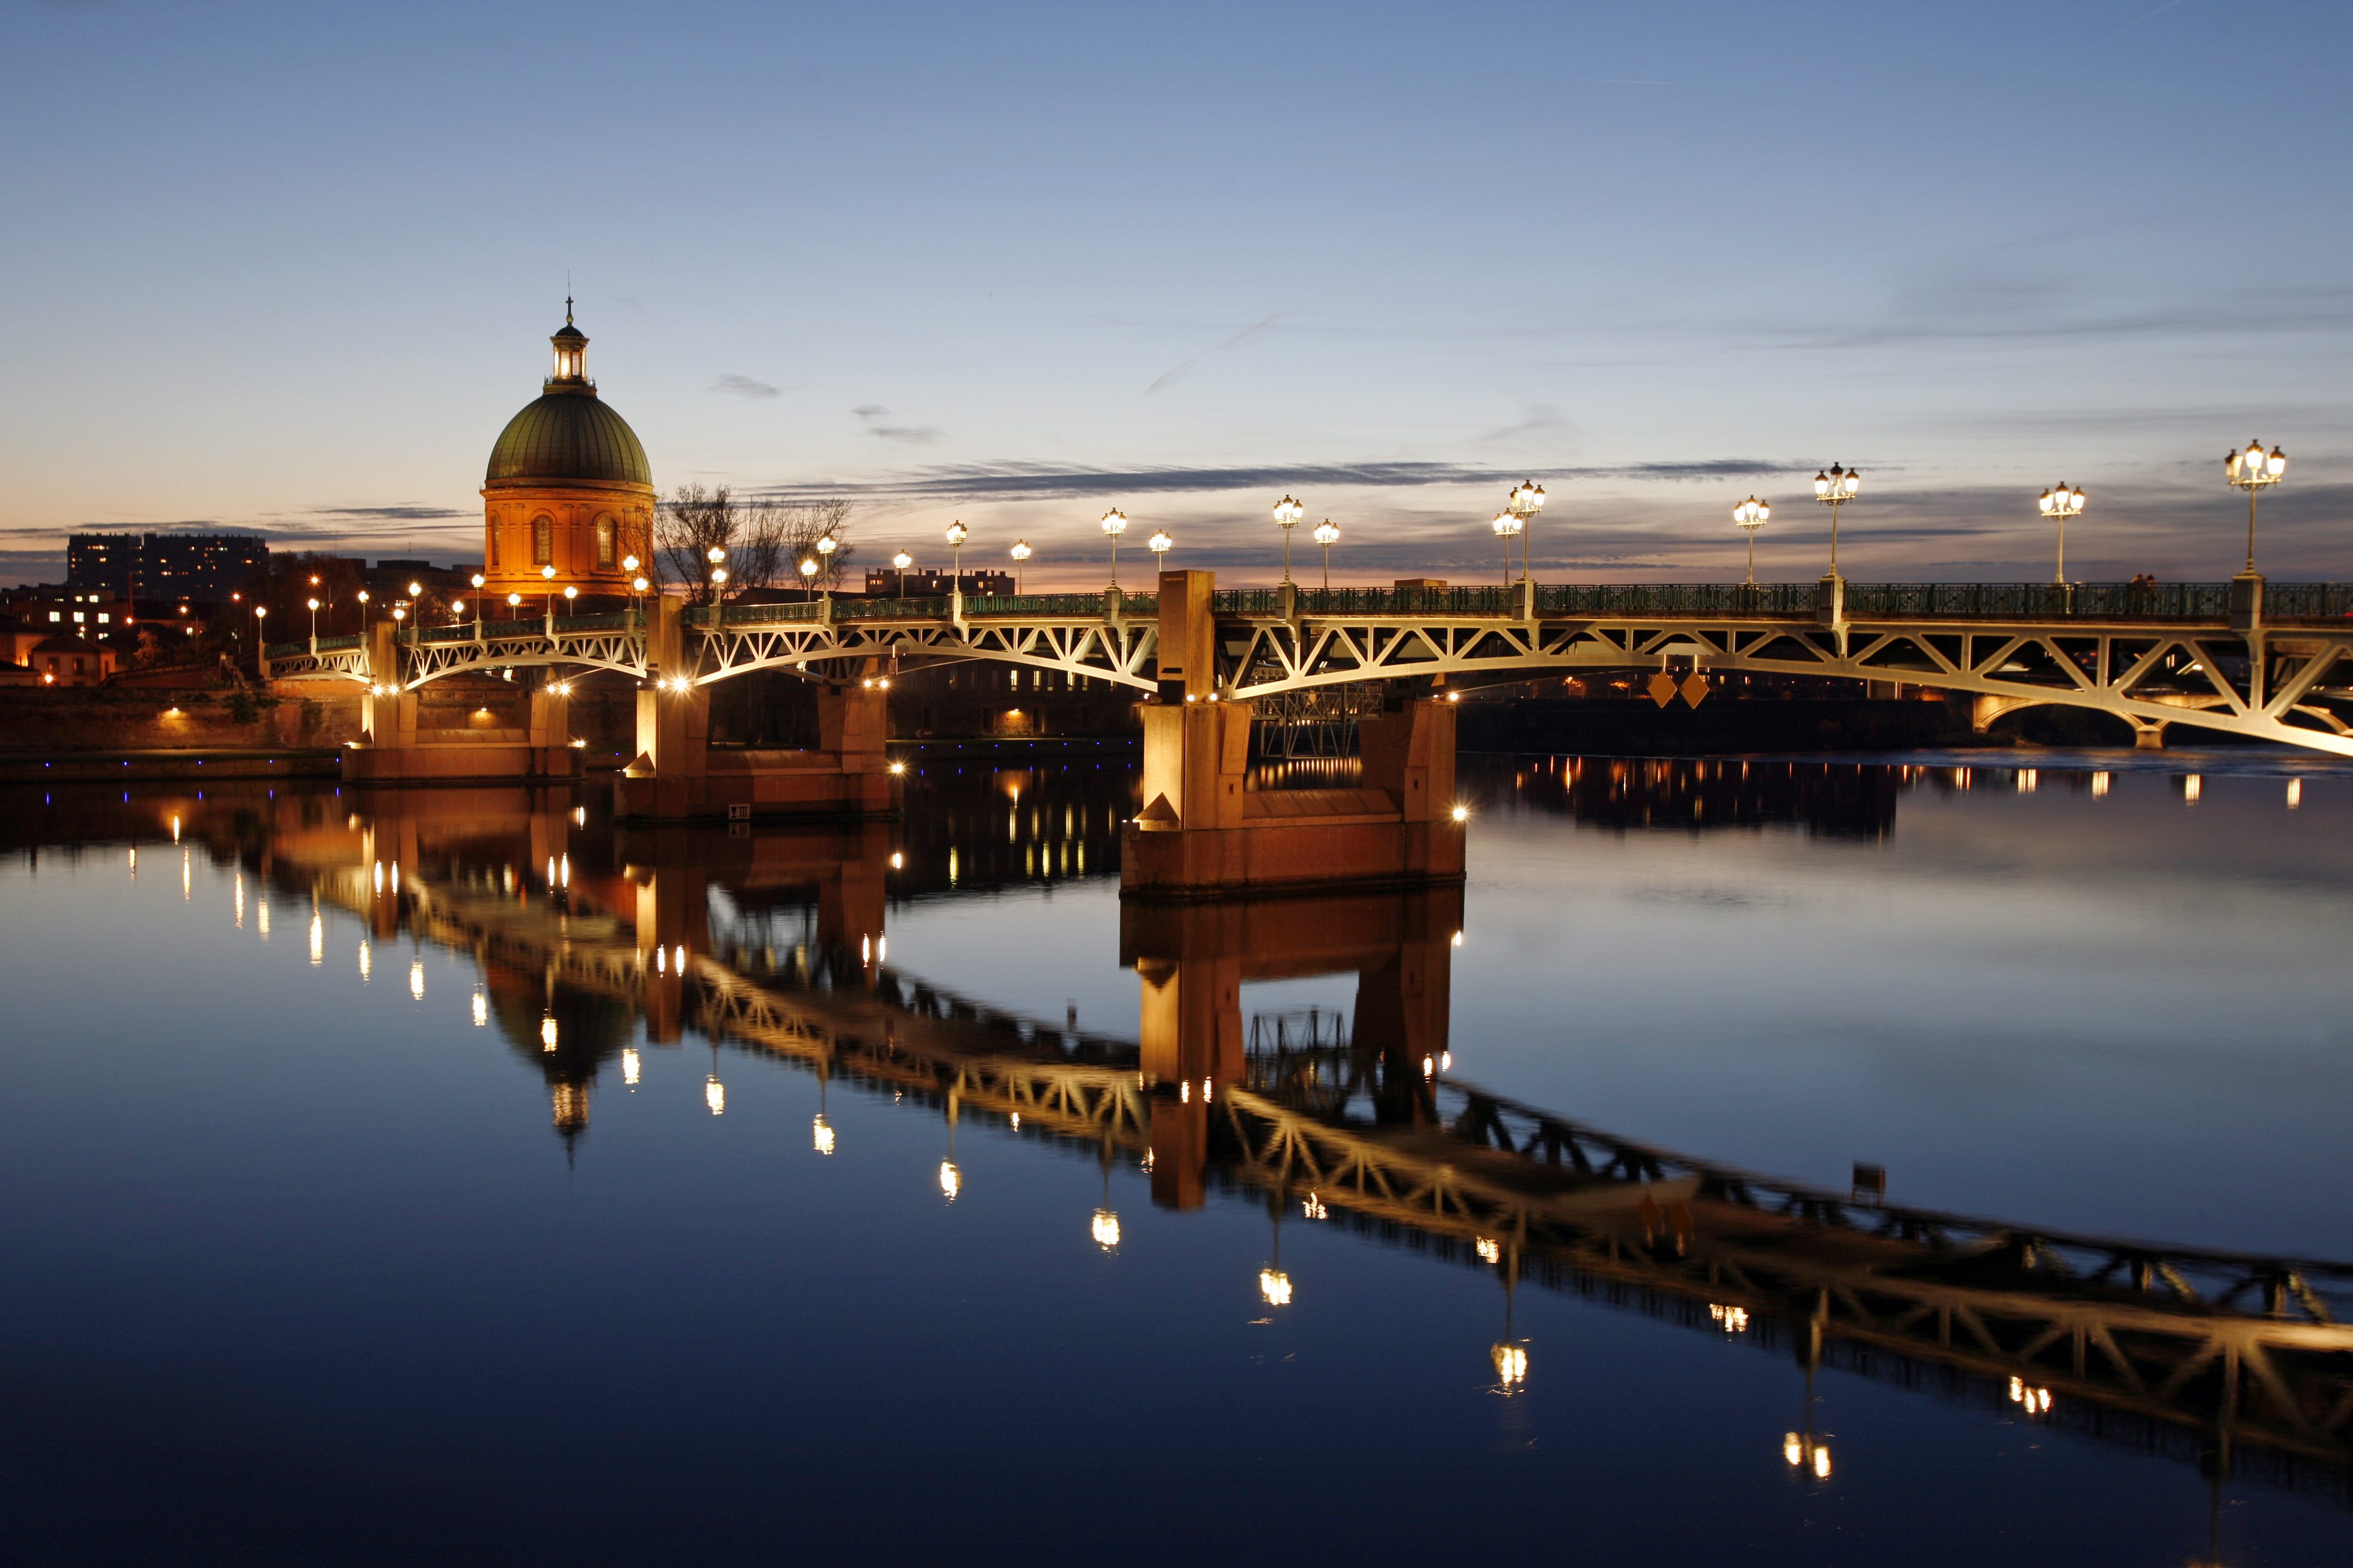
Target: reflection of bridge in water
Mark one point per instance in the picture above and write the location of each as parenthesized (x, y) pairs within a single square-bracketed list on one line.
[(2235, 1362)]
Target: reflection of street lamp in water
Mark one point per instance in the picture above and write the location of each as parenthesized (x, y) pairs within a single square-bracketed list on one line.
[(1273, 1284)]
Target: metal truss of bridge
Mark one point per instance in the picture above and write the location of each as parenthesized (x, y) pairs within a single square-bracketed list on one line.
[(2270, 663)]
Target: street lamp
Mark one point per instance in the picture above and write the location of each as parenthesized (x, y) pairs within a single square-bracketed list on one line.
[(2252, 471), (514, 603), (1287, 513), (1161, 545), (571, 597), (809, 578), (1020, 553), (1114, 523), (1327, 534), (314, 618), (1834, 489), (957, 535), (364, 605), (1508, 528), (2061, 504), (900, 563), (826, 545), (1526, 499), (1749, 517)]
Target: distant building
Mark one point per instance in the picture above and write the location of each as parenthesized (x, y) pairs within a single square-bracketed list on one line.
[(95, 614), (888, 582), (71, 661), (179, 568)]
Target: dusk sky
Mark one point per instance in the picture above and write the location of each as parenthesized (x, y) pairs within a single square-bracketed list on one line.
[(290, 267)]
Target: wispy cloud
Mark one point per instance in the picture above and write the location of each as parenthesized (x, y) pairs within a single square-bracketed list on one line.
[(1043, 481), (875, 417), (412, 512), (1540, 420), (1245, 336), (743, 386)]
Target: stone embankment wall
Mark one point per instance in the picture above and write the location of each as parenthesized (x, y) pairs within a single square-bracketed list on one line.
[(51, 722)]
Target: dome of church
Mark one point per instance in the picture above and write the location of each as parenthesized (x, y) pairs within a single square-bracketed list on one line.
[(569, 433)]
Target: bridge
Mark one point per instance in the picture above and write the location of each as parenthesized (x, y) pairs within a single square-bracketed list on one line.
[(2239, 1362), (2270, 663), (2261, 661)]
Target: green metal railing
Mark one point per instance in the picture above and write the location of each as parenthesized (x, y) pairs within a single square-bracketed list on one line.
[(1798, 601), (1086, 604), (770, 615)]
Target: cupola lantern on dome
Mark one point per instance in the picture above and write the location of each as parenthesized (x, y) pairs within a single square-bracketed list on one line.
[(567, 487), (571, 347)]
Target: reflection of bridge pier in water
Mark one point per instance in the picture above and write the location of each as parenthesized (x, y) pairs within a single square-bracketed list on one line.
[(1192, 960)]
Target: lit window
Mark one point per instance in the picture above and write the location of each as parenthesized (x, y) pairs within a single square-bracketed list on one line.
[(79, 615), (57, 615), (103, 618), (605, 541)]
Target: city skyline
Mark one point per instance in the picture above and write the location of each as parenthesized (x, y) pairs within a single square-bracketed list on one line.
[(1185, 265)]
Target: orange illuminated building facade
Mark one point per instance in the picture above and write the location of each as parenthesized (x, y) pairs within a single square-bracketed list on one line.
[(569, 489)]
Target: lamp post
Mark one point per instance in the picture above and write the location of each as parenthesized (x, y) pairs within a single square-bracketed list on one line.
[(1161, 545), (957, 535), (1508, 528), (477, 581), (1526, 499), (514, 603), (1327, 534), (2058, 505), (1834, 489), (1749, 517), (636, 588), (1020, 553), (716, 556), (314, 623), (900, 563), (809, 578), (260, 665), (1287, 513), (547, 575), (364, 605), (571, 597), (2252, 472), (1114, 523), (826, 545)]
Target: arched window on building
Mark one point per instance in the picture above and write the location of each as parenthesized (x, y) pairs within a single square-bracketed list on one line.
[(605, 555), (543, 542)]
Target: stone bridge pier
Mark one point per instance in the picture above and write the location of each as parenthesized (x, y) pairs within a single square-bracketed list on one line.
[(405, 746), (1204, 833), (678, 777), (1191, 960)]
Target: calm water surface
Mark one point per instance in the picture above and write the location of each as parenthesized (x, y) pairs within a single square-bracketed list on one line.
[(451, 1176)]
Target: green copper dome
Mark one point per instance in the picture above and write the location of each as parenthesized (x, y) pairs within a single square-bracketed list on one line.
[(569, 434)]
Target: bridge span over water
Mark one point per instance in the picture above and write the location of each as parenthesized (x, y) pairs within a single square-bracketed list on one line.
[(2233, 1361), (2264, 661)]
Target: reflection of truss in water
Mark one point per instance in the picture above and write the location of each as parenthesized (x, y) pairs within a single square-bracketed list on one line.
[(1313, 722), (2224, 1358)]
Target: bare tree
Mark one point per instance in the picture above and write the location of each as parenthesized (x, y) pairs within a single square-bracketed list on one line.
[(762, 544)]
